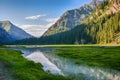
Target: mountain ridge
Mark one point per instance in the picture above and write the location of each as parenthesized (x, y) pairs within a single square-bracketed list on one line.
[(99, 27), (10, 32), (72, 18)]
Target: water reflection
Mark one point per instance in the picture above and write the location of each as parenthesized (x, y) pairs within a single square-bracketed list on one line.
[(38, 57), (62, 66)]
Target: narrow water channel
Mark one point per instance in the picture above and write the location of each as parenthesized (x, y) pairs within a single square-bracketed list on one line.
[(62, 66)]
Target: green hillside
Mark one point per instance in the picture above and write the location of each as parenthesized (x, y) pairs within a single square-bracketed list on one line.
[(72, 18), (102, 27)]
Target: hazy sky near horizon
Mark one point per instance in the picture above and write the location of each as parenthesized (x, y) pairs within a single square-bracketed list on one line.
[(36, 16)]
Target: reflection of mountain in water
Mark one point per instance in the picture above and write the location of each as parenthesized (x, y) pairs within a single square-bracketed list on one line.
[(68, 67), (38, 57)]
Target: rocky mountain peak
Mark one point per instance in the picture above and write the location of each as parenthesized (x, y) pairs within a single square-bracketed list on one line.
[(6, 25), (114, 7), (72, 18), (11, 32), (95, 2), (7, 21), (114, 1)]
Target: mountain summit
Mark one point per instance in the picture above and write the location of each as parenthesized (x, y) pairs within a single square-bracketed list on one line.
[(72, 18), (10, 32), (95, 2), (101, 27)]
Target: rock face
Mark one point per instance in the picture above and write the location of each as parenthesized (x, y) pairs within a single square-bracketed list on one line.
[(115, 8), (72, 18), (10, 32)]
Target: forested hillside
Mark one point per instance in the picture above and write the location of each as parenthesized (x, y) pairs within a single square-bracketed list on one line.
[(102, 27), (104, 24), (72, 18)]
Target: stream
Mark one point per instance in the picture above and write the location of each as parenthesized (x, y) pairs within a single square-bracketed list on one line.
[(58, 65)]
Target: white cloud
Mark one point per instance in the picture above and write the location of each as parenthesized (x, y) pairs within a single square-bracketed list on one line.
[(36, 30), (51, 20), (35, 17)]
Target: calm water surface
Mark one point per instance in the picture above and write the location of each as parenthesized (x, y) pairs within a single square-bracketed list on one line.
[(62, 66)]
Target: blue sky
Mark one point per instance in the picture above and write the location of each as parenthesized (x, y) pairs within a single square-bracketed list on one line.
[(36, 16)]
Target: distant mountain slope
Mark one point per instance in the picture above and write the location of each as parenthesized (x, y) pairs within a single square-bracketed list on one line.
[(10, 32), (4, 36), (72, 18), (102, 26)]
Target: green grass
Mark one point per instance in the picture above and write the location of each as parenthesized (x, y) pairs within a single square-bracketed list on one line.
[(61, 45), (108, 57), (22, 69), (93, 55)]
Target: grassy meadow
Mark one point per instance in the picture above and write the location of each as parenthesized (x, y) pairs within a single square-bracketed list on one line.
[(22, 69), (93, 55), (101, 56)]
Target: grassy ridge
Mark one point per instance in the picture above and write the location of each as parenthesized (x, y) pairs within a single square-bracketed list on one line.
[(95, 56), (22, 69)]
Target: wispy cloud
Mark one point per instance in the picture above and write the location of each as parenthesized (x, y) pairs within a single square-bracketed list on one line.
[(35, 17), (36, 30), (52, 20)]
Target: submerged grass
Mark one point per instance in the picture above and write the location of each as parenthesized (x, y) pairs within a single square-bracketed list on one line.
[(22, 69), (103, 56)]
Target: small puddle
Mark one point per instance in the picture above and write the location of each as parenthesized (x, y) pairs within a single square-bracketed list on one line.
[(62, 66)]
